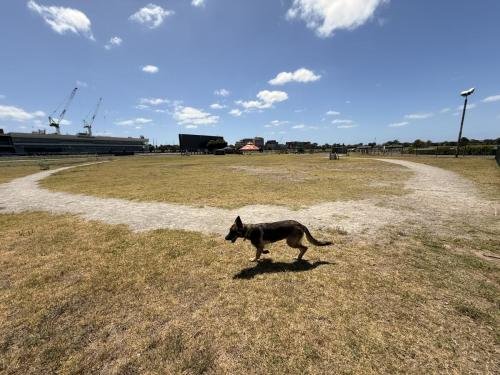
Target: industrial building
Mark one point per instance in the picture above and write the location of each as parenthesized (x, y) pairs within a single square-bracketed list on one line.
[(57, 144), (41, 143)]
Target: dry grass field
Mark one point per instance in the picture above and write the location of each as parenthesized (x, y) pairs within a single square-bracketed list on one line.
[(234, 180), (19, 167), (85, 297)]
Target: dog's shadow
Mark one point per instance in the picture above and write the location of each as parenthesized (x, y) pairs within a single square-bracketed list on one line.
[(268, 266)]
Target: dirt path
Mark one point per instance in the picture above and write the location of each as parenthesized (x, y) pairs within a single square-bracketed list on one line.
[(435, 195)]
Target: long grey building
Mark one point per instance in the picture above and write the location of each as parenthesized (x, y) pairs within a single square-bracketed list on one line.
[(44, 144)]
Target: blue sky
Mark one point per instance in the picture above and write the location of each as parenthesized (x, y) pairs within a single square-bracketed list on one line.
[(326, 71)]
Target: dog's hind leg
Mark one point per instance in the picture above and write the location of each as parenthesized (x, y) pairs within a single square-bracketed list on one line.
[(296, 243), (303, 250)]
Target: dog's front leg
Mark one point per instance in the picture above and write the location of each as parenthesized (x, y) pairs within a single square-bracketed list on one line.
[(258, 253)]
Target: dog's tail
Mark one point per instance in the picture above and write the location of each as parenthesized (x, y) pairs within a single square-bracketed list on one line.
[(313, 240)]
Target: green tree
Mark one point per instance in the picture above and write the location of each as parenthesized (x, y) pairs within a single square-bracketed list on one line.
[(418, 143), (215, 144)]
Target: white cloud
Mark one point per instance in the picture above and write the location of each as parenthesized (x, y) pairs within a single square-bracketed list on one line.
[(217, 106), (235, 112), (115, 41), (153, 101), (346, 126), (81, 84), (13, 113), (302, 75), (445, 110), (198, 3), (326, 16), (398, 124), (418, 116), (332, 113), (151, 15), (250, 104), (491, 99), (275, 123), (63, 20), (150, 69), (266, 100), (222, 92), (342, 122), (134, 122), (301, 126), (189, 116), (271, 97)]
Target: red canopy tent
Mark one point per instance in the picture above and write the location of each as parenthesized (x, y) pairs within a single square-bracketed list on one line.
[(249, 147)]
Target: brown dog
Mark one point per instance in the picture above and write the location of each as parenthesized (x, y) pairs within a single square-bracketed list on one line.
[(265, 233)]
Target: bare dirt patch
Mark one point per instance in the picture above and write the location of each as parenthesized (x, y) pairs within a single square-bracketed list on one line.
[(273, 173)]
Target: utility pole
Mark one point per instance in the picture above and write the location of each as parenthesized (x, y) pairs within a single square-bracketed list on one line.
[(465, 94)]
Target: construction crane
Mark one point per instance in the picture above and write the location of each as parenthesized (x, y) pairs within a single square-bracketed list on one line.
[(88, 124), (56, 122)]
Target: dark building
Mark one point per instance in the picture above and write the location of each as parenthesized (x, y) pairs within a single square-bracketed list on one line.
[(271, 145), (45, 144), (6, 146), (298, 146), (196, 143), (259, 142)]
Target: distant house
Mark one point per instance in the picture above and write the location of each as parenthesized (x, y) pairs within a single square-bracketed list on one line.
[(271, 145), (259, 142), (364, 149)]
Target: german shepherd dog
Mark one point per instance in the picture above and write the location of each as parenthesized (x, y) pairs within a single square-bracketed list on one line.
[(265, 233)]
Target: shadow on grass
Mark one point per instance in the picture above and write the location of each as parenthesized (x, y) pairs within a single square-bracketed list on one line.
[(268, 266)]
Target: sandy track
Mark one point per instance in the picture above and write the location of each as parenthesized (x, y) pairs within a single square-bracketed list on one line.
[(435, 195)]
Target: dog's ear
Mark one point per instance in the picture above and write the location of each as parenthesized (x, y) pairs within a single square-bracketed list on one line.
[(238, 222)]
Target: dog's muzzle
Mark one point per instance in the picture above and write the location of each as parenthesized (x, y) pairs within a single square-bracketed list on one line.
[(231, 238)]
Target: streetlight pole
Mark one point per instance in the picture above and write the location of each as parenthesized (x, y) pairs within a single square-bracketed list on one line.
[(465, 94)]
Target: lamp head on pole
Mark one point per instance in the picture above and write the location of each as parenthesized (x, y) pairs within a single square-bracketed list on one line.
[(467, 92)]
